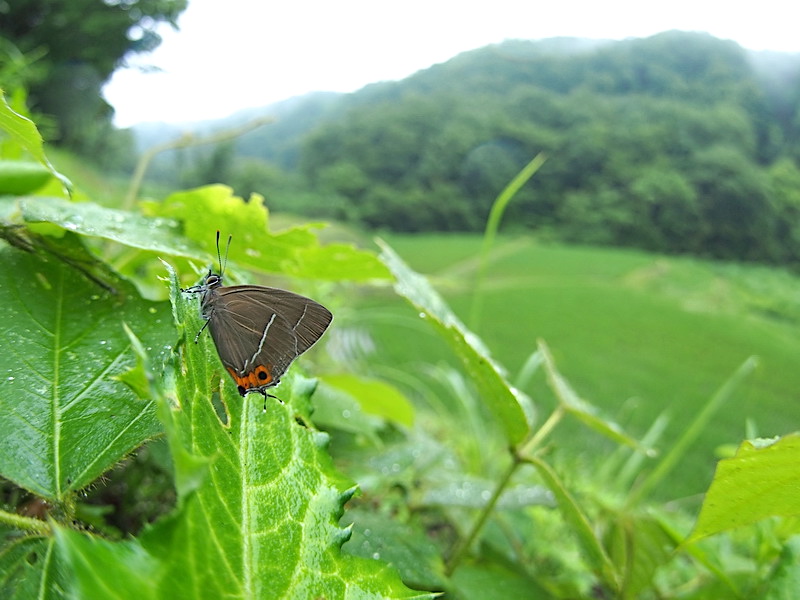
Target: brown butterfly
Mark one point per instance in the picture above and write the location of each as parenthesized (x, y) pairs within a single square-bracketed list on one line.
[(258, 331)]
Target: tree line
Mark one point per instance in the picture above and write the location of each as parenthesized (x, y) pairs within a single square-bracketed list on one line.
[(668, 143), (675, 143)]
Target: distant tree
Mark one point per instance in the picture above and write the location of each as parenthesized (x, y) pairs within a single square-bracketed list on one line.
[(785, 198), (662, 143), (667, 213), (79, 44), (734, 205)]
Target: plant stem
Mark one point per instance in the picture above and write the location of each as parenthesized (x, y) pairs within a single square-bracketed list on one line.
[(518, 458), (464, 543), (24, 523), (542, 432)]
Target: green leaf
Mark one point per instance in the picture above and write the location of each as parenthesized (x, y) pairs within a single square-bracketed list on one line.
[(577, 519), (93, 220), (678, 450), (759, 482), (490, 233), (64, 420), (27, 568), (375, 397), (336, 409), (785, 580), (261, 524), (491, 581), (295, 251), (581, 409), (19, 177), (504, 401), (408, 549), (24, 133), (639, 545)]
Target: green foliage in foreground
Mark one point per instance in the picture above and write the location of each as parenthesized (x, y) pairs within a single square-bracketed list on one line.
[(466, 498)]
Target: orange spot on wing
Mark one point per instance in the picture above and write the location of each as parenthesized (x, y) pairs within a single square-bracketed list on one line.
[(260, 377)]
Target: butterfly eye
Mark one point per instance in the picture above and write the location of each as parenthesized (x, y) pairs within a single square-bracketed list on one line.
[(213, 279)]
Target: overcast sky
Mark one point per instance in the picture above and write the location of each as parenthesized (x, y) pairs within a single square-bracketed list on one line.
[(233, 54)]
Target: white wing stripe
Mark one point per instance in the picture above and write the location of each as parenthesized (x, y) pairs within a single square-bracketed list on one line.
[(261, 343)]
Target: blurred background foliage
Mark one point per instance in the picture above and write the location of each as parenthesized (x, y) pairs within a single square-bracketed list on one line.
[(678, 144)]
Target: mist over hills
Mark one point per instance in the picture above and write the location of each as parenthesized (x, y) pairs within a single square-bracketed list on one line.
[(679, 142), (776, 72)]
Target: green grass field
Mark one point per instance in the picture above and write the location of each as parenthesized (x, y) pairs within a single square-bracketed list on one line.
[(636, 334)]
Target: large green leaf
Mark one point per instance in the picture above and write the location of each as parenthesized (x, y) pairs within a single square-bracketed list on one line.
[(262, 523), (505, 402), (295, 251), (198, 214), (759, 482), (64, 420), (27, 568), (90, 219), (24, 133)]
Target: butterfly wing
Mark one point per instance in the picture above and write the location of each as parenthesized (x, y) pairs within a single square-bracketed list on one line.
[(259, 331)]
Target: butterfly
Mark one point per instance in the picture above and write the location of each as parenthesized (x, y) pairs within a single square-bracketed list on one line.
[(258, 331)]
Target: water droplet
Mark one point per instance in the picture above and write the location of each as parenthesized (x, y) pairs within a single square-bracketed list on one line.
[(10, 379), (376, 555), (345, 414)]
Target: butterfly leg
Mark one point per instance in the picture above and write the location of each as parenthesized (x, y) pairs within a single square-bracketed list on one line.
[(197, 337)]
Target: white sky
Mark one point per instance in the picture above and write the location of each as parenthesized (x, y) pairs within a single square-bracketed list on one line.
[(233, 54)]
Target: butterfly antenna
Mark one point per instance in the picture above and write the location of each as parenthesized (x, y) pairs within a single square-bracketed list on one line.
[(222, 264)]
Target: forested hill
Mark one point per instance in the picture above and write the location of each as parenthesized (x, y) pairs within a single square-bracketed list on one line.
[(679, 142)]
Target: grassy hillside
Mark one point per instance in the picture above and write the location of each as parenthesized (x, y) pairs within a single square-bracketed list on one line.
[(637, 334)]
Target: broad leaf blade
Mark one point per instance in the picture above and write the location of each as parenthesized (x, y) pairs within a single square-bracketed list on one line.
[(579, 522), (375, 397), (759, 482), (504, 401), (295, 251), (263, 521), (24, 132), (27, 568), (93, 220), (581, 409), (64, 420)]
